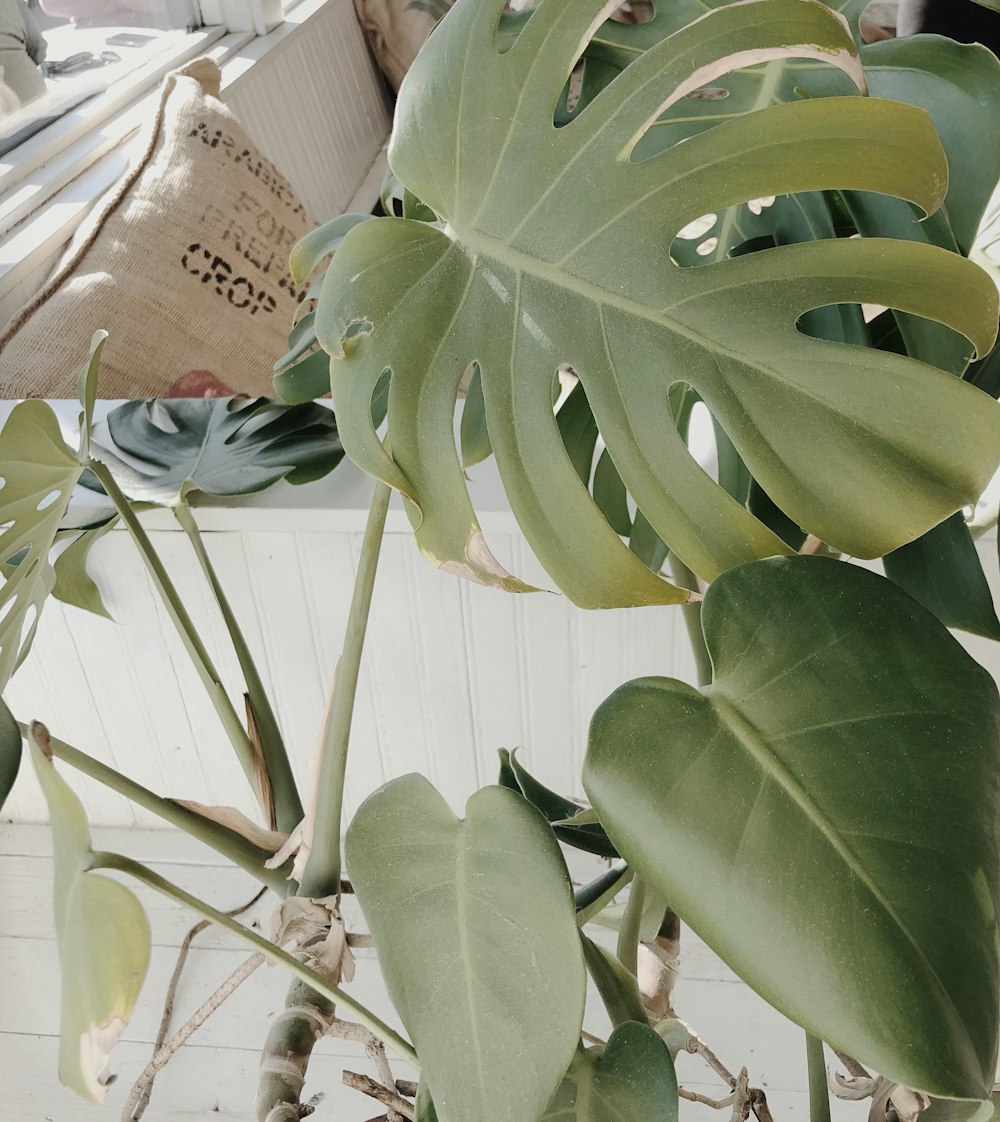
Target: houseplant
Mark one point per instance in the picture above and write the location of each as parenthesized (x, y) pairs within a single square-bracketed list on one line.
[(823, 810)]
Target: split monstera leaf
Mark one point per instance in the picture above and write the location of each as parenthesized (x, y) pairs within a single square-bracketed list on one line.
[(553, 250)]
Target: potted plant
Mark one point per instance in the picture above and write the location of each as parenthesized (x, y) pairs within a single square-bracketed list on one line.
[(821, 809)]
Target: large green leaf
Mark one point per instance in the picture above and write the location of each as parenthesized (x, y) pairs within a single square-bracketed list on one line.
[(220, 446), (103, 939), (630, 1079), (474, 923), (824, 815), (555, 252)]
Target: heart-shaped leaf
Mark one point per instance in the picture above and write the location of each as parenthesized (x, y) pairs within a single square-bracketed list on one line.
[(218, 446), (630, 1079), (555, 251), (474, 923), (824, 815), (104, 940)]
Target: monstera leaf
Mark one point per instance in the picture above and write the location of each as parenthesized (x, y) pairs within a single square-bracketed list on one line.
[(555, 252), (103, 938), (221, 446), (474, 923), (824, 815)]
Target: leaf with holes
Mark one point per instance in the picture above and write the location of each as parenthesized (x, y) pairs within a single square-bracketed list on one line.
[(474, 923), (220, 446), (39, 473), (555, 252), (103, 937), (824, 815)]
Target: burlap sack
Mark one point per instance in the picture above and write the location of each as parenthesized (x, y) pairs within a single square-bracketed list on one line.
[(396, 30), (185, 263)]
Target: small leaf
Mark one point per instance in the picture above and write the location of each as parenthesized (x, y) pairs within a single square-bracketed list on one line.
[(103, 935), (632, 1078), (87, 391), (824, 814), (615, 984), (942, 570), (474, 923), (305, 380), (560, 812), (10, 751), (74, 585), (475, 438)]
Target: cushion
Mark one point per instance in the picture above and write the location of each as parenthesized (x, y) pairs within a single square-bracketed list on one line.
[(185, 263)]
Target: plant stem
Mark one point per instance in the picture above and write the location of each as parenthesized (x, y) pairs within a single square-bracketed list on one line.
[(628, 936), (321, 876), (819, 1093), (182, 621), (692, 621), (106, 860), (227, 842), (287, 805)]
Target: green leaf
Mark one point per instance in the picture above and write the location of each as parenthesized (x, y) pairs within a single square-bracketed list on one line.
[(554, 253), (10, 751), (103, 936), (630, 1079), (305, 380), (824, 814), (220, 446), (39, 473), (87, 390), (310, 250), (558, 810), (474, 923), (300, 339), (476, 445), (73, 584), (617, 987), (943, 571)]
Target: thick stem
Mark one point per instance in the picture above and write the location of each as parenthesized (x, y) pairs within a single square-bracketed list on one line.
[(819, 1092), (290, 1041), (182, 621), (628, 935), (287, 805), (321, 876), (227, 842), (403, 1049)]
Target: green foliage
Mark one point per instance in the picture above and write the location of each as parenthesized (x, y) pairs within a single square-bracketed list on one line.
[(555, 252), (824, 814), (10, 752), (474, 922)]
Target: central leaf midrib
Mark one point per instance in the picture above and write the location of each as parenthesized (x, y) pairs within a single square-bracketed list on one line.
[(753, 740), (465, 950)]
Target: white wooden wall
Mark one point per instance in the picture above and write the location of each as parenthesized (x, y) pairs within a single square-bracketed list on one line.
[(452, 671)]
